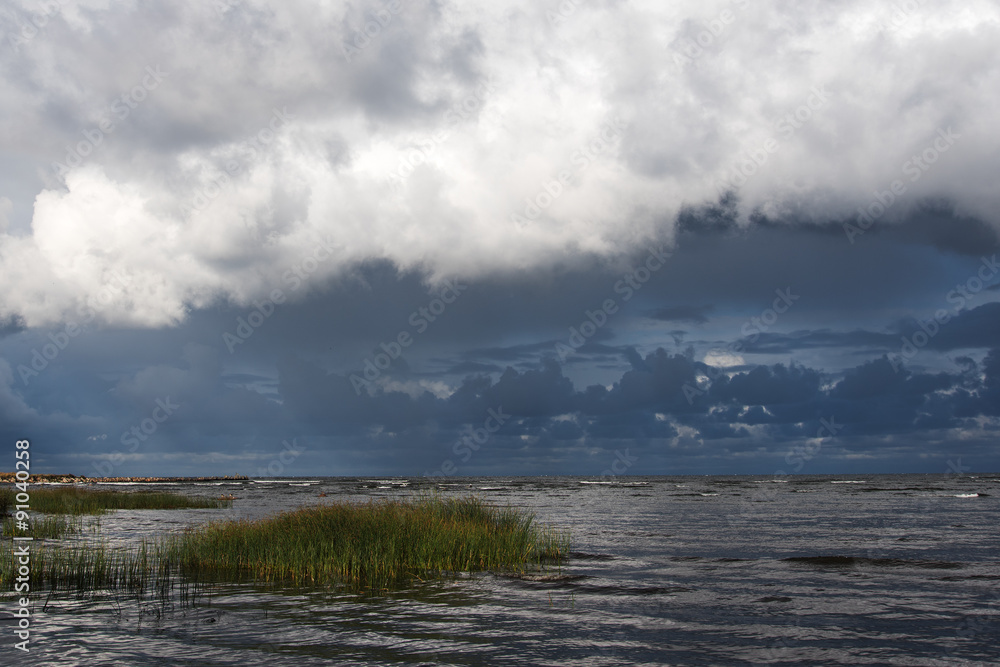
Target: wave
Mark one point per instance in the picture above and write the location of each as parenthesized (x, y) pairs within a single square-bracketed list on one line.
[(546, 578), (852, 561), (582, 555)]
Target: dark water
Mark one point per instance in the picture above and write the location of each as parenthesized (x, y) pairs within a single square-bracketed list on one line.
[(870, 570)]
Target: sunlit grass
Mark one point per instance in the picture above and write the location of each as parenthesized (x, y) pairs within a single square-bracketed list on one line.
[(369, 547), (372, 546), (73, 500)]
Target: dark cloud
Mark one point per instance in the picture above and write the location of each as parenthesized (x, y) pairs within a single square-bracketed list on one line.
[(11, 325), (495, 348), (693, 314), (892, 330), (978, 327), (771, 386)]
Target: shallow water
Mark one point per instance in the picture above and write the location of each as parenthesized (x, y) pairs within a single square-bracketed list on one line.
[(869, 570)]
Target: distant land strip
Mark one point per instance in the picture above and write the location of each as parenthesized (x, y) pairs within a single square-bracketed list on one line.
[(8, 477)]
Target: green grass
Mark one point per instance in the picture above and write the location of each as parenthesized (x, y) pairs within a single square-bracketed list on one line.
[(72, 500), (369, 547), (90, 568), (43, 527)]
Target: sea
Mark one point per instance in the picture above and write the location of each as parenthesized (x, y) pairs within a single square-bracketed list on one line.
[(692, 570)]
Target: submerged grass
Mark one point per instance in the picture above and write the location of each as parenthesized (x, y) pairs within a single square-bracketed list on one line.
[(368, 547), (91, 568), (43, 527), (72, 500)]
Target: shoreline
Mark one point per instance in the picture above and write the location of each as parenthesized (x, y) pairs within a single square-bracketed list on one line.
[(9, 478)]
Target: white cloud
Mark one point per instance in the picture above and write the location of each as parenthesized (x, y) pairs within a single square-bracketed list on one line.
[(119, 231), (723, 359)]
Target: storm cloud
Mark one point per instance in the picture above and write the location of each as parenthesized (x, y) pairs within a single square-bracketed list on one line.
[(378, 228)]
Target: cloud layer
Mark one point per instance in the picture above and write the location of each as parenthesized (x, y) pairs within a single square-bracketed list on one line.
[(164, 160)]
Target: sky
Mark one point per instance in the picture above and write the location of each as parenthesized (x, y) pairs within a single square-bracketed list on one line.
[(504, 238)]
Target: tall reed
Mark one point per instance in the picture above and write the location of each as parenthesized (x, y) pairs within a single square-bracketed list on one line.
[(43, 527), (369, 547)]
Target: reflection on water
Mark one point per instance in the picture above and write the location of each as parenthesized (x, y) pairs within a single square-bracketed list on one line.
[(688, 570)]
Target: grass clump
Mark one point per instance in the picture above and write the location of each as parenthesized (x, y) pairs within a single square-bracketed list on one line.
[(90, 568), (72, 500), (43, 527), (370, 546), (367, 547)]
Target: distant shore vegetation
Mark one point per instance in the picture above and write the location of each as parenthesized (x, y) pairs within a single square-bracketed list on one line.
[(75, 500)]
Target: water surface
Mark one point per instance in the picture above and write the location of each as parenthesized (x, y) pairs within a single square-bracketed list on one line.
[(734, 570)]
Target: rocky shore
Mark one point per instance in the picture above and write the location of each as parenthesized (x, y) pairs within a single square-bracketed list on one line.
[(8, 477)]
